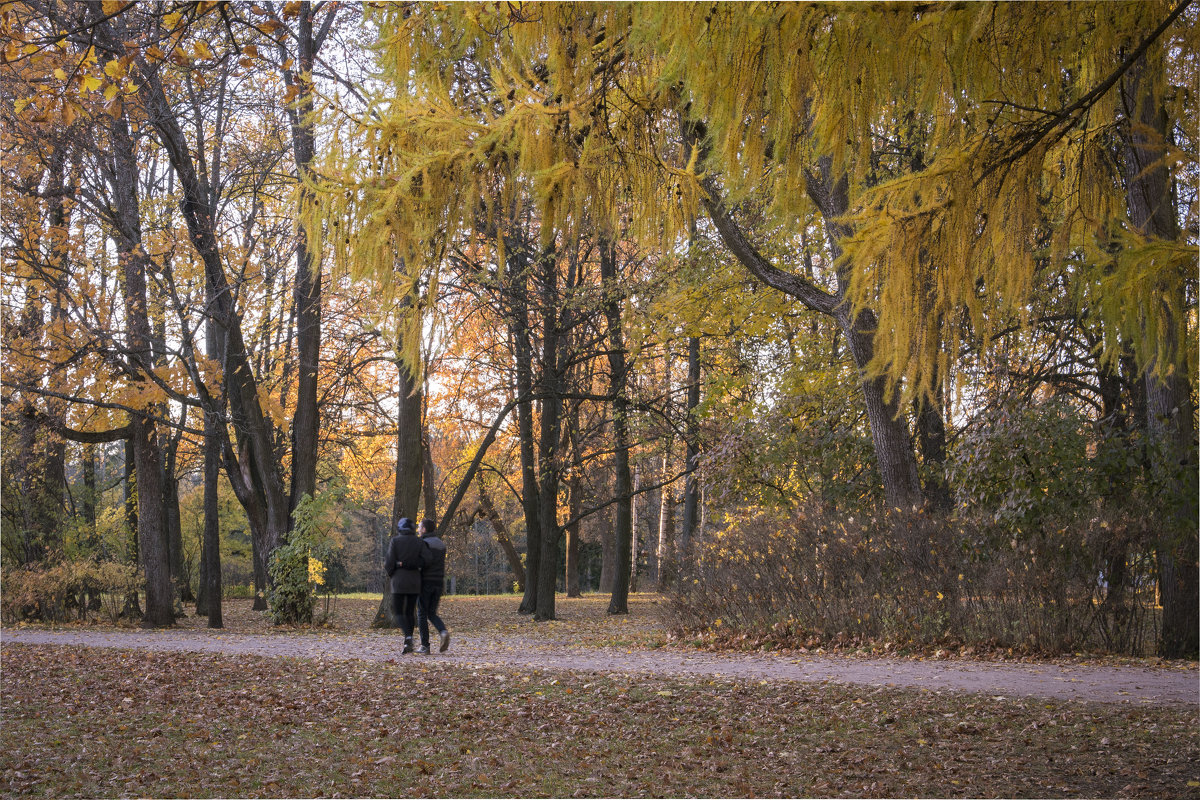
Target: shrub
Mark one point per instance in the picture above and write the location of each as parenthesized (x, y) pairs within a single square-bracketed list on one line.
[(296, 572), (56, 591), (813, 579)]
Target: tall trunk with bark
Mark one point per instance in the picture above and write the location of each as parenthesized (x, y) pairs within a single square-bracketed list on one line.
[(406, 497), (500, 531), (429, 480), (523, 367), (406, 500), (574, 507), (214, 346), (691, 485), (549, 439), (133, 607), (307, 289), (1171, 438), (54, 482), (153, 544), (213, 606), (666, 536), (88, 512), (931, 437), (254, 469), (608, 560), (623, 516)]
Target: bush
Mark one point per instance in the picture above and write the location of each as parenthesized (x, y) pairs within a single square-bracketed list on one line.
[(56, 591), (813, 579), (295, 572)]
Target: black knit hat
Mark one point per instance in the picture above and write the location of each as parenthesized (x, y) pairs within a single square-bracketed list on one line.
[(405, 525)]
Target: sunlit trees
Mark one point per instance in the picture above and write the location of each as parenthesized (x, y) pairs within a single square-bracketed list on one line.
[(614, 251)]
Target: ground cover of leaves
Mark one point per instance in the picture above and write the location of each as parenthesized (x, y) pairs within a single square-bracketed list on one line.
[(81, 722), (581, 621)]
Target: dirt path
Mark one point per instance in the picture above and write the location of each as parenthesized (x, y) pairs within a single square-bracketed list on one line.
[(1093, 684)]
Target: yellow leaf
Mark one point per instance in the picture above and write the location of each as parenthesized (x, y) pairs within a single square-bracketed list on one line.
[(200, 49), (155, 52), (91, 83), (60, 73), (171, 20), (110, 92), (20, 103), (112, 7), (114, 69)]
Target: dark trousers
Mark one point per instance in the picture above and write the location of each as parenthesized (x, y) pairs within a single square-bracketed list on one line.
[(427, 612), (404, 606)]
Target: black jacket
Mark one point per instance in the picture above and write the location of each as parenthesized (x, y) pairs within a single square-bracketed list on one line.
[(434, 572), (405, 558)]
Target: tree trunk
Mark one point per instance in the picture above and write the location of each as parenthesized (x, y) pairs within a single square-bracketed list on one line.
[(666, 537), (406, 500), (500, 531), (406, 497), (212, 525), (429, 480), (523, 355), (574, 507), (133, 607), (1152, 210), (691, 486), (88, 510), (608, 560), (634, 521), (623, 515), (549, 440), (153, 544), (307, 289), (254, 470), (931, 437)]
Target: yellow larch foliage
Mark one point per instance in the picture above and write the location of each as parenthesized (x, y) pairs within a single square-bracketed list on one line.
[(977, 141)]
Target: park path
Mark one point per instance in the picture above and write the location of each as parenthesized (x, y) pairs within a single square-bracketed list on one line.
[(1105, 684)]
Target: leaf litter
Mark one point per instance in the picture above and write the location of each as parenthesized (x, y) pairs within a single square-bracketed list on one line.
[(219, 725)]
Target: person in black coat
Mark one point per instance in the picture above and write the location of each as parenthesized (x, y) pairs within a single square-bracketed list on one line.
[(405, 558), (433, 580)]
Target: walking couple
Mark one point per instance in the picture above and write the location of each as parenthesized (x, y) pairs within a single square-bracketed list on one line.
[(417, 569)]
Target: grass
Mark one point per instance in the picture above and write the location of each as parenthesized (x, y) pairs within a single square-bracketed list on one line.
[(582, 621), (101, 723)]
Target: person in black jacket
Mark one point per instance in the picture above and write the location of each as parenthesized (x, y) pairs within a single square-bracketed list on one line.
[(405, 558), (433, 580)]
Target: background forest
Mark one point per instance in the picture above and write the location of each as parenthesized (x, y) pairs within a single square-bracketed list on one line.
[(826, 338)]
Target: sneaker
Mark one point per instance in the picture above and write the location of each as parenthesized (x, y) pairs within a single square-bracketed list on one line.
[(407, 647), (423, 650), (445, 637)]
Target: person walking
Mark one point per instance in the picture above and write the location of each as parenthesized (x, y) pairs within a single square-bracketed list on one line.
[(433, 580), (405, 558)]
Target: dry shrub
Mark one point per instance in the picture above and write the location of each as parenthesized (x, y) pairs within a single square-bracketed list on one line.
[(916, 581), (56, 592)]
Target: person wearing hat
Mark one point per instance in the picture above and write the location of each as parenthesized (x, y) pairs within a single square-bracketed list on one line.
[(405, 558), (433, 580)]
